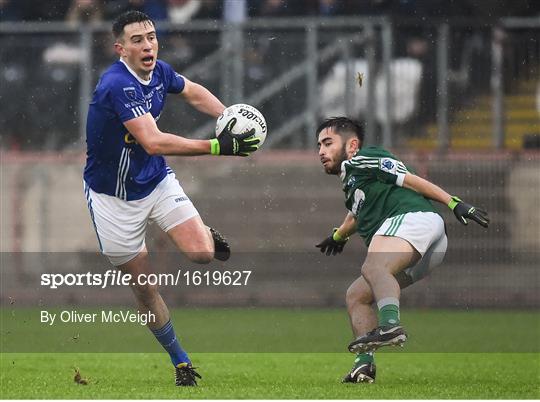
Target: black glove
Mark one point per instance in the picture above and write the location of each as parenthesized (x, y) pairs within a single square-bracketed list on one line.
[(228, 143), (332, 244), (463, 210)]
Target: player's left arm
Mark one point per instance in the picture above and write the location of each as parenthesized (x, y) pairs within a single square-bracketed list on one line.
[(202, 99), (392, 171), (462, 210)]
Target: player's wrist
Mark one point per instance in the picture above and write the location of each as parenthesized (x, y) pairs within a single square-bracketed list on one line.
[(339, 237), (214, 147), (453, 202)]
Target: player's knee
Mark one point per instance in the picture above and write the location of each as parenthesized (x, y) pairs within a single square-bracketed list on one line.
[(369, 271), (357, 295), (201, 257), (146, 294)]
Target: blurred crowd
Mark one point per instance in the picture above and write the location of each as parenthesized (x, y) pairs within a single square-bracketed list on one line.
[(53, 73), (180, 11)]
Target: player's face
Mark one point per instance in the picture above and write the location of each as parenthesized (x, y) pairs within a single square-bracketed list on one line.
[(332, 150), (138, 47)]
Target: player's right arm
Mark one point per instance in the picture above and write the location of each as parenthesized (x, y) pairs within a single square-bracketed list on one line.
[(129, 103), (155, 142), (335, 243), (347, 228)]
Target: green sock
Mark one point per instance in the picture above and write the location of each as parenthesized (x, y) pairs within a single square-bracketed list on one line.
[(388, 311), (362, 358)]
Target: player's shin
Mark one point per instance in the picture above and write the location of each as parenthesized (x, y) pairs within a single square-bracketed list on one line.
[(167, 338)]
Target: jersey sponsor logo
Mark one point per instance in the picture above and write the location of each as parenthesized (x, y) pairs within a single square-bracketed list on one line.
[(180, 199), (148, 98), (388, 165), (129, 105), (130, 93)]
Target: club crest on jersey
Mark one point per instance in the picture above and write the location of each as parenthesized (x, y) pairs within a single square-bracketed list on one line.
[(130, 93), (388, 165)]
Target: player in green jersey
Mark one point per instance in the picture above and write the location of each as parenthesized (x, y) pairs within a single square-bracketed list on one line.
[(389, 207)]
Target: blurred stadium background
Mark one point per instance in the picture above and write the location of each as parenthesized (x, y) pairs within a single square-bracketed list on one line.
[(452, 87)]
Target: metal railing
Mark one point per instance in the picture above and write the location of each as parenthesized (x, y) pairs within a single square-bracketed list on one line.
[(319, 42)]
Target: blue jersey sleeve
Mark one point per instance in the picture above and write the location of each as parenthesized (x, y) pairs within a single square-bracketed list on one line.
[(176, 82), (127, 99)]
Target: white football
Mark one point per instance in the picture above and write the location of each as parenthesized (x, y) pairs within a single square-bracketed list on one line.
[(247, 117)]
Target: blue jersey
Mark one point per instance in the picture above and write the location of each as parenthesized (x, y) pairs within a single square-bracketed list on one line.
[(115, 163)]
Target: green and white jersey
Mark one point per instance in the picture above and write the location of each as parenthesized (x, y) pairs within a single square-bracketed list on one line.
[(372, 200)]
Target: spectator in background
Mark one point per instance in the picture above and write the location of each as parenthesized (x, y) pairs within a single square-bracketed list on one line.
[(181, 11), (210, 9), (182, 53), (234, 11), (155, 9), (9, 11), (538, 99), (84, 11), (65, 52), (269, 8), (328, 8), (419, 48), (32, 10)]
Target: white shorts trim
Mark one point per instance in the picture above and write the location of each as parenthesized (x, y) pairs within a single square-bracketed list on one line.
[(420, 229), (425, 232), (121, 225)]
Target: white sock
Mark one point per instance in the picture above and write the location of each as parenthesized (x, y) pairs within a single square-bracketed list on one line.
[(386, 301)]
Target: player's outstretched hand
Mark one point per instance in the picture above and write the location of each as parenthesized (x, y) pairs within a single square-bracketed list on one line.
[(464, 211), (228, 143), (333, 244)]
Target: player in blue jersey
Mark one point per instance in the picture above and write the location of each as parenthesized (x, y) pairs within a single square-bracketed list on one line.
[(390, 208), (126, 179)]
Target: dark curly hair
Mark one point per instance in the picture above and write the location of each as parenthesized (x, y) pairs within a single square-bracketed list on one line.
[(129, 17), (342, 126)]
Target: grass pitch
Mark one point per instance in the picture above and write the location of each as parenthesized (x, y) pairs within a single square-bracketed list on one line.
[(274, 353), (271, 376)]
